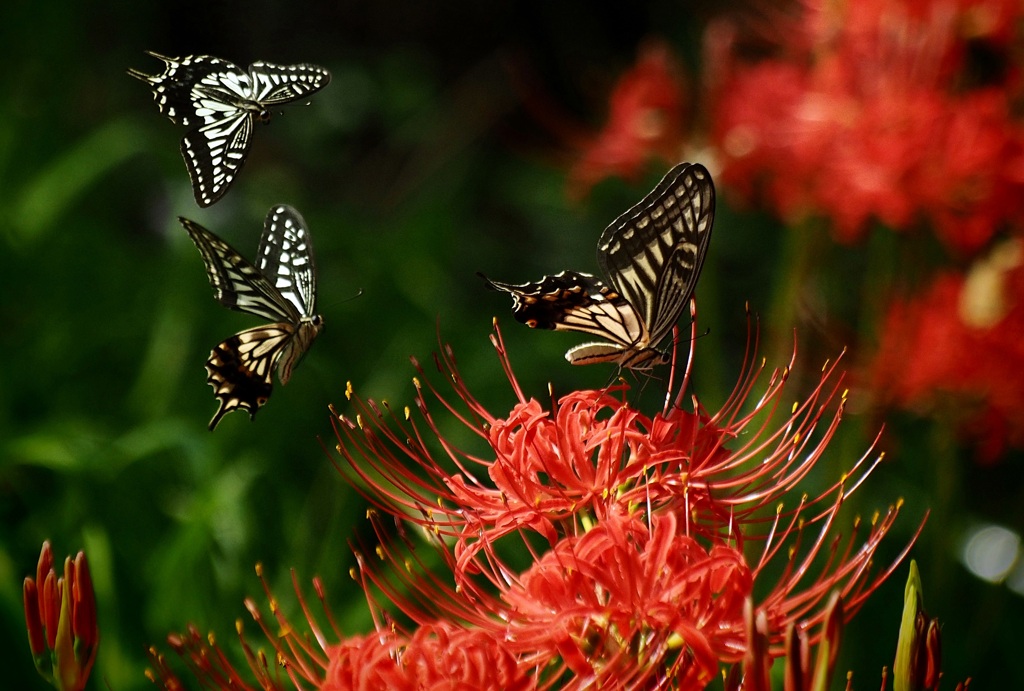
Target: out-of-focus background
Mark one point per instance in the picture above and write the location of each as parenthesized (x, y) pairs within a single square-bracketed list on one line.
[(869, 160)]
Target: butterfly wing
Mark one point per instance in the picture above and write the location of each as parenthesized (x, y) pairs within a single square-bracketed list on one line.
[(573, 301), (653, 253), (239, 368), (285, 258), (237, 284), (275, 84), (185, 85), (216, 97), (215, 153)]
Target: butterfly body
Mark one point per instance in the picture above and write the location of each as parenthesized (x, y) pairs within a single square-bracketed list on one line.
[(280, 287), (652, 255), (221, 101)]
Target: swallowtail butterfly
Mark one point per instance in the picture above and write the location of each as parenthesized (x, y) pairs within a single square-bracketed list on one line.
[(281, 287), (220, 102), (652, 256)]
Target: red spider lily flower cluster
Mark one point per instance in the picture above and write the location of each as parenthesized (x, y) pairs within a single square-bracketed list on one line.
[(60, 613), (957, 349), (880, 110), (584, 543), (645, 535), (645, 121)]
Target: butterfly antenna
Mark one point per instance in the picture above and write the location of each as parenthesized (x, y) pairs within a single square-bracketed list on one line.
[(358, 294)]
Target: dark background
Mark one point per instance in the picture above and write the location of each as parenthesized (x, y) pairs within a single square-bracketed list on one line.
[(415, 168)]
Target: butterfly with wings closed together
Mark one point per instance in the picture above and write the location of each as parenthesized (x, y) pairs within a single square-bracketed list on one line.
[(281, 287), (652, 256), (221, 102)]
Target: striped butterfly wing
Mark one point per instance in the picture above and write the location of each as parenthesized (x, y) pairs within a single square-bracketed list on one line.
[(285, 258), (175, 90), (277, 84), (240, 369), (574, 301), (237, 284), (281, 290), (222, 101), (653, 253), (568, 301)]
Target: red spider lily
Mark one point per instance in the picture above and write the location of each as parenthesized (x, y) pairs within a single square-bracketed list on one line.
[(640, 572), (872, 121), (60, 613), (960, 342), (645, 120)]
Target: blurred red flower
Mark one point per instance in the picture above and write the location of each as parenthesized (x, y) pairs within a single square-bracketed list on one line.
[(879, 116), (645, 121), (956, 348)]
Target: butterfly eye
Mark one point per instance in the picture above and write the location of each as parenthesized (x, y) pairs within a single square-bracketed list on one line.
[(263, 116), (317, 320)]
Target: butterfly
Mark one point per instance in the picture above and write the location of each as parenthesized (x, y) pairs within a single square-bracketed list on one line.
[(220, 101), (281, 287), (652, 255)]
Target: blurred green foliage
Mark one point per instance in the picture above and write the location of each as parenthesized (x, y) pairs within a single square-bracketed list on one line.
[(415, 168)]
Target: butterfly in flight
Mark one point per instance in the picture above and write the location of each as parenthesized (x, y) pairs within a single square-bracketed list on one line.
[(652, 256), (281, 287), (220, 102)]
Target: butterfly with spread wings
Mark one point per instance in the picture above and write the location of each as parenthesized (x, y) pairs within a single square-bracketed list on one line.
[(221, 101), (281, 287), (652, 256)]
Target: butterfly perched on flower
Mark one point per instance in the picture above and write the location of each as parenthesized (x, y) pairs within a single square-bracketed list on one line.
[(652, 256), (281, 287), (221, 101)]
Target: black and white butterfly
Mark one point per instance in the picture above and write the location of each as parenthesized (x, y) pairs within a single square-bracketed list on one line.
[(281, 287), (652, 256), (221, 102)]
